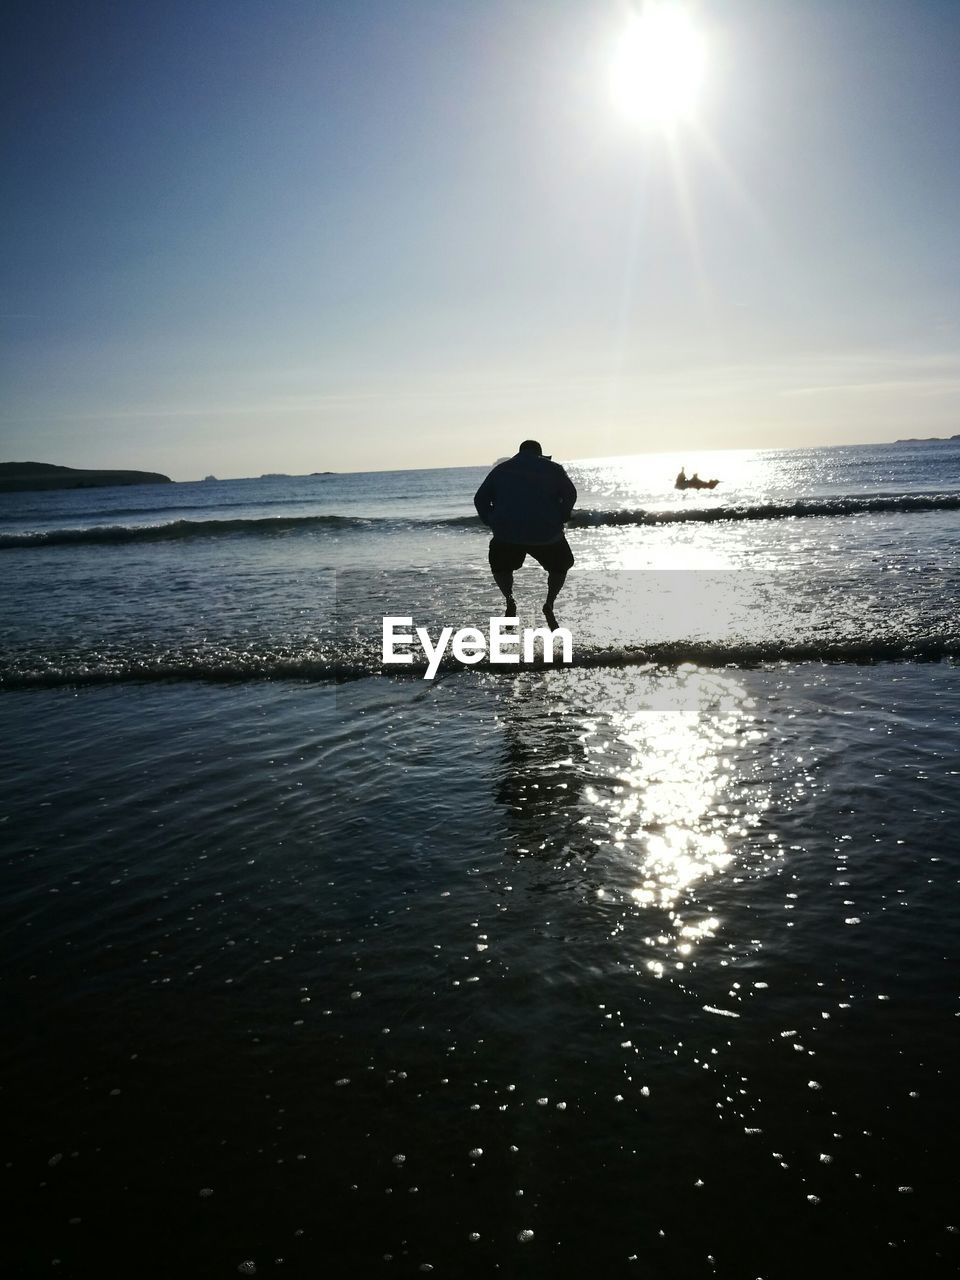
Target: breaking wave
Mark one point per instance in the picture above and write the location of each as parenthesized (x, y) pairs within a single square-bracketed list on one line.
[(176, 529), (584, 518), (803, 507), (341, 665)]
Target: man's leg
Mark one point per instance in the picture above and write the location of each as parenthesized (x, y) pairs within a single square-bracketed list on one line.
[(504, 581), (504, 558), (555, 581), (557, 562)]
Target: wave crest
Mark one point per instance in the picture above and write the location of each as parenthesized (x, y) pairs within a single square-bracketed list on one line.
[(175, 529), (584, 518), (801, 508), (338, 666)]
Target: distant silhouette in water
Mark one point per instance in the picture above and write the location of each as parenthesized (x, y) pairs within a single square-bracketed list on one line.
[(525, 501), (683, 481)]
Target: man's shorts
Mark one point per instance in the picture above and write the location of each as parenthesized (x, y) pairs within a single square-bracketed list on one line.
[(556, 557)]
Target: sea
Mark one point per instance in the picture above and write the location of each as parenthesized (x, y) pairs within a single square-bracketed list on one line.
[(642, 963)]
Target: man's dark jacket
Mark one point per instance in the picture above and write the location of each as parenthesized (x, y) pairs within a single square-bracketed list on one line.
[(526, 499)]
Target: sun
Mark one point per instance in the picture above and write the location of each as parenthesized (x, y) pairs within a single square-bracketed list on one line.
[(658, 65)]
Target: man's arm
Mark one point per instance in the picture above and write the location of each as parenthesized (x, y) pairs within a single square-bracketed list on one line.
[(566, 494), (483, 500)]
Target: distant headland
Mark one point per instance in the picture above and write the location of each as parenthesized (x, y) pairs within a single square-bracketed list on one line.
[(21, 476), (927, 440)]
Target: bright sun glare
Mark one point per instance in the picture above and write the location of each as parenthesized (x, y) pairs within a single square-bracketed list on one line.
[(658, 66)]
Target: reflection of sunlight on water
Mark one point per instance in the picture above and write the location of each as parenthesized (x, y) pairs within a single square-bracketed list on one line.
[(650, 477), (668, 547), (645, 607), (676, 803)]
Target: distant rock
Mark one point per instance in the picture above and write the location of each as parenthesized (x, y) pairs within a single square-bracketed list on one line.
[(21, 476)]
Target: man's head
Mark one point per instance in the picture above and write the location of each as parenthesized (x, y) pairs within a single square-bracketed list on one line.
[(530, 446)]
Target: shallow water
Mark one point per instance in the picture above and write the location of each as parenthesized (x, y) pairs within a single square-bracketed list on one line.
[(673, 950), (826, 554)]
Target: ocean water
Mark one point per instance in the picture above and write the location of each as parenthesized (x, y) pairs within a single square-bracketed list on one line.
[(644, 965)]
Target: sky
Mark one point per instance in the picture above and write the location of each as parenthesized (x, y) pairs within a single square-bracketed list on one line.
[(247, 236)]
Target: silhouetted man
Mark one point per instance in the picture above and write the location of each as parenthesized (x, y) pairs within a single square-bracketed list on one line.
[(526, 501)]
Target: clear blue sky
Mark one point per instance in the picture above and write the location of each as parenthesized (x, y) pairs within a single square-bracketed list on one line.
[(241, 236)]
